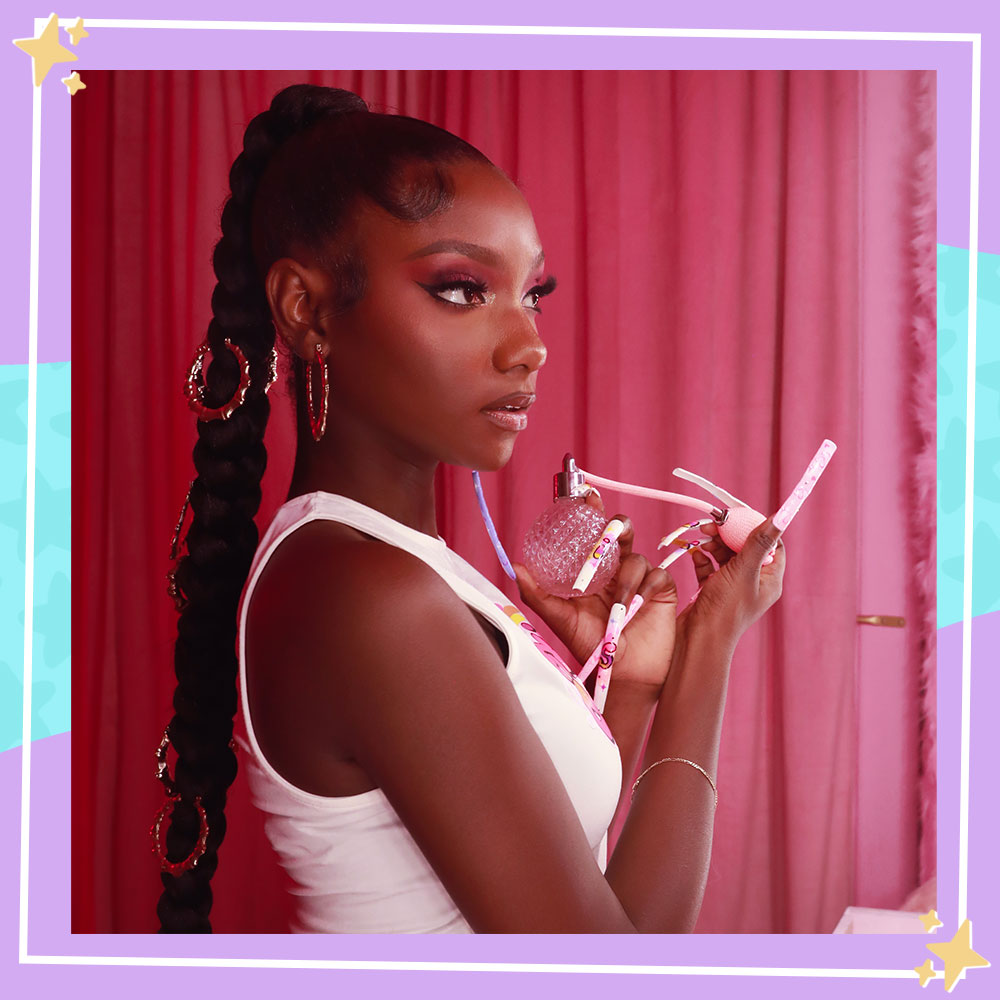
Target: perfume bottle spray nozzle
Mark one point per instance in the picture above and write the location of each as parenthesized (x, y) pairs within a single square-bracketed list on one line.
[(569, 482)]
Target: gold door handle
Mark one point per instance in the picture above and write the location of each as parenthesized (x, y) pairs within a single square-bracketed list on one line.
[(887, 621)]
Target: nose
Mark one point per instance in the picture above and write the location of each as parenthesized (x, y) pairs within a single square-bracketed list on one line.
[(519, 345)]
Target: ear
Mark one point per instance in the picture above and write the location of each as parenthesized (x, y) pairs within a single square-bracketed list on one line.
[(299, 295)]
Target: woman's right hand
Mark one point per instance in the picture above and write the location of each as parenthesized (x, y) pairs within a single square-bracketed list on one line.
[(734, 595)]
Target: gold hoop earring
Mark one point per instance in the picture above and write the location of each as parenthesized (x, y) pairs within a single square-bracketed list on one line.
[(317, 423), (176, 868), (194, 385)]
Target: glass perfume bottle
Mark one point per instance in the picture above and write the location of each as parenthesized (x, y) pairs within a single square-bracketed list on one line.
[(563, 536)]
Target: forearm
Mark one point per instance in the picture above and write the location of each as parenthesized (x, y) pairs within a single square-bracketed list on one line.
[(660, 864), (628, 713)]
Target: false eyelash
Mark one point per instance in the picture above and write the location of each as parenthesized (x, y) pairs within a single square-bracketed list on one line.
[(547, 287)]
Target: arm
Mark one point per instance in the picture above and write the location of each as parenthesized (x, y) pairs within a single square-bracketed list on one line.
[(671, 820), (628, 713), (661, 859)]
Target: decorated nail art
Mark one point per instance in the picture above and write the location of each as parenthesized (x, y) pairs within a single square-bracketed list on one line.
[(612, 530), (608, 649)]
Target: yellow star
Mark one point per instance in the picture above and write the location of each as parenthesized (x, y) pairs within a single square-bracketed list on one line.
[(958, 955), (930, 921), (77, 32), (45, 50), (74, 83), (926, 972)]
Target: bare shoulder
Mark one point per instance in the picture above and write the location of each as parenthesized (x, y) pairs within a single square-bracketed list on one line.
[(361, 610), (327, 572)]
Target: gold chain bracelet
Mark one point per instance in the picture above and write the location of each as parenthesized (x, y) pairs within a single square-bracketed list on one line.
[(676, 760)]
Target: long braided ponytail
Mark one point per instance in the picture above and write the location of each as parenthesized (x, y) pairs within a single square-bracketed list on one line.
[(230, 460), (305, 162)]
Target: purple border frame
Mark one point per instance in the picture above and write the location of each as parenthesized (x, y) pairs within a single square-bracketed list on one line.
[(49, 909)]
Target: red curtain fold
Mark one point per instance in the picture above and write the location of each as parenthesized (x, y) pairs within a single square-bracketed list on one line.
[(719, 239)]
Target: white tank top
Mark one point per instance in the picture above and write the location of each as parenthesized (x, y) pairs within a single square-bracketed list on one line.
[(354, 865)]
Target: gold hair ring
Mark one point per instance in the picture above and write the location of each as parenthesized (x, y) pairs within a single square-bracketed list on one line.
[(194, 385)]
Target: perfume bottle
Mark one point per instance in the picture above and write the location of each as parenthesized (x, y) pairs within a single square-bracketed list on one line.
[(564, 535)]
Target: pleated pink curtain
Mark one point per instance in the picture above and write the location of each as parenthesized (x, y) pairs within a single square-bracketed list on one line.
[(707, 232)]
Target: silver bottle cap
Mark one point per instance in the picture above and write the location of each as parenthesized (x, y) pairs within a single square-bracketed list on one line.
[(569, 482)]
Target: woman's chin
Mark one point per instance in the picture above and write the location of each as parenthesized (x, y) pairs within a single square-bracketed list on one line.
[(491, 460)]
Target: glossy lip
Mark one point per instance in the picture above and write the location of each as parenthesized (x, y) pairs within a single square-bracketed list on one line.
[(510, 420)]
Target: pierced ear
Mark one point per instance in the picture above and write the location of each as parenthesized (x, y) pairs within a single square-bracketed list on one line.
[(295, 294)]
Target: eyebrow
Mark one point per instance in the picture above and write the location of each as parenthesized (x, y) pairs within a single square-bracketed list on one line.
[(472, 250)]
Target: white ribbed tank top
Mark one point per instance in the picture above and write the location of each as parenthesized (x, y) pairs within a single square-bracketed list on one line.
[(355, 867)]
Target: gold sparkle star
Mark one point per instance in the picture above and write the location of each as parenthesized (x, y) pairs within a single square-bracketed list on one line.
[(74, 83), (926, 972), (77, 32), (930, 921), (958, 955), (45, 50)]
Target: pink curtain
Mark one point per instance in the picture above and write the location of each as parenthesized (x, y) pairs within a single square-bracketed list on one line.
[(712, 235), (897, 417)]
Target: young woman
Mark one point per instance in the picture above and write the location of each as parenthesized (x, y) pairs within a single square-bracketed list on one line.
[(423, 764)]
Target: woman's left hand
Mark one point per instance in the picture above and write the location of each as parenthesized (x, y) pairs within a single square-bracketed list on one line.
[(646, 643)]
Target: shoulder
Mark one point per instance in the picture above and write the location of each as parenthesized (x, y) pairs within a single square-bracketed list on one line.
[(359, 612), (348, 574), (342, 633)]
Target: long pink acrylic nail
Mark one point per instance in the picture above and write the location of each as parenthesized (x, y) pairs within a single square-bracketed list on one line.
[(805, 485), (612, 530), (609, 647), (588, 667)]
